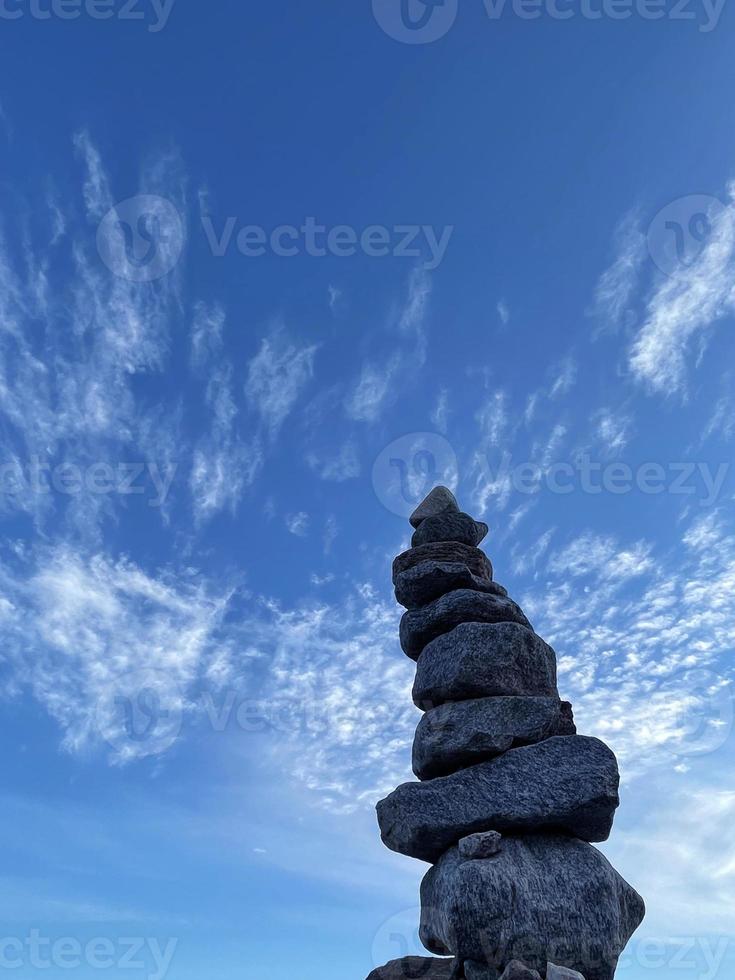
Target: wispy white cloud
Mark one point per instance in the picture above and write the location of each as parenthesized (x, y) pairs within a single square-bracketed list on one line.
[(298, 524), (376, 388), (684, 307), (276, 378), (613, 429), (440, 413), (344, 466), (617, 285), (85, 634), (503, 312)]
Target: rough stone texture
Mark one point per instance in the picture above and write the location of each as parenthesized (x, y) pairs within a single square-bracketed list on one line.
[(445, 551), (516, 970), (554, 972), (421, 626), (543, 898), (462, 733), (429, 580), (450, 527), (437, 502), (479, 660), (413, 968), (568, 784), (479, 847)]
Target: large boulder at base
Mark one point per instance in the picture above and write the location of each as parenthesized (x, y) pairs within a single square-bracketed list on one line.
[(544, 898), (477, 561), (439, 501), (429, 580), (554, 972), (421, 626), (568, 784), (462, 733), (414, 968), (479, 660), (449, 527)]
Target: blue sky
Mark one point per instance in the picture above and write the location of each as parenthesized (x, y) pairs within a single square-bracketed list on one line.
[(208, 459)]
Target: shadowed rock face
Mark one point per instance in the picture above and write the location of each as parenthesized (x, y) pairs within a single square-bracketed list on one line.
[(479, 660), (429, 580), (509, 795), (421, 626), (542, 899), (414, 968), (447, 551), (460, 734), (449, 527), (568, 784)]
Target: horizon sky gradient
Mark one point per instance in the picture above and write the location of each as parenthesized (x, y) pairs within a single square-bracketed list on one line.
[(213, 434)]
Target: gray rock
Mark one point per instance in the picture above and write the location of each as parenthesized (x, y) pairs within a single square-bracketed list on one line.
[(437, 502), (421, 626), (413, 968), (543, 898), (449, 527), (429, 580), (445, 551), (479, 971), (462, 733), (568, 784), (479, 847), (516, 970), (554, 972), (479, 660)]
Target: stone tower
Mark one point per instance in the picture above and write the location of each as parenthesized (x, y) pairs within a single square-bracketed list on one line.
[(510, 798)]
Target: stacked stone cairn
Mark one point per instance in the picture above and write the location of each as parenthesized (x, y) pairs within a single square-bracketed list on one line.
[(509, 797)]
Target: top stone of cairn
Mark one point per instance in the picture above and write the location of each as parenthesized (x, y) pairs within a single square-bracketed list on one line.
[(439, 501)]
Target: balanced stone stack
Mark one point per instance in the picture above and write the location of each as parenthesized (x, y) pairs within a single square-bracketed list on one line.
[(509, 797)]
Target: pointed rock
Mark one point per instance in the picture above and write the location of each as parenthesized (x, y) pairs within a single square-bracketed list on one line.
[(437, 502)]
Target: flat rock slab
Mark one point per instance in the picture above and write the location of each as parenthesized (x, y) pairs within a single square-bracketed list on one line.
[(568, 784), (450, 527), (439, 501), (421, 626), (543, 898), (413, 968), (463, 733), (430, 580), (476, 560), (478, 660)]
